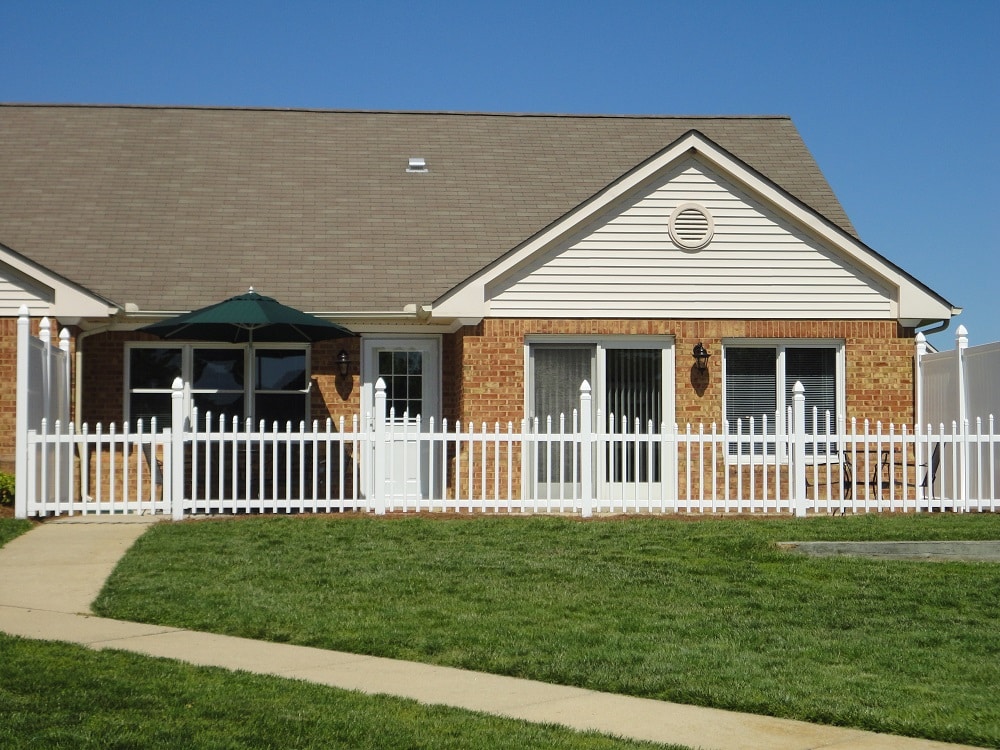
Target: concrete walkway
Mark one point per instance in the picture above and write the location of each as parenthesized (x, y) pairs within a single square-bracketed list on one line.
[(49, 577)]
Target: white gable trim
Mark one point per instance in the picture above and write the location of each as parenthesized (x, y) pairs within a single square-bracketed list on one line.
[(912, 301), (45, 293)]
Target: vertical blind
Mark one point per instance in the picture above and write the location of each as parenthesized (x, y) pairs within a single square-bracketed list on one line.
[(558, 372), (633, 392), (634, 386)]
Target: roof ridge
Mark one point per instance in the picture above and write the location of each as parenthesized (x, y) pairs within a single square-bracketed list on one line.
[(430, 112)]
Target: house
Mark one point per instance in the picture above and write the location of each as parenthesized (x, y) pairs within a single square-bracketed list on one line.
[(489, 262)]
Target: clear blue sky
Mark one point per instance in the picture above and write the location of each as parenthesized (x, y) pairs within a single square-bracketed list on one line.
[(899, 101)]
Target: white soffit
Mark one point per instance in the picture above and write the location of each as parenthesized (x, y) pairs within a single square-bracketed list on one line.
[(914, 300)]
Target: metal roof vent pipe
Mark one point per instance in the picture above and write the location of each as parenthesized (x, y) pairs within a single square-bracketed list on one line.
[(417, 164)]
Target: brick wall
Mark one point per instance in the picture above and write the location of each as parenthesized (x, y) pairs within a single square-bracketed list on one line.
[(489, 383), (8, 393)]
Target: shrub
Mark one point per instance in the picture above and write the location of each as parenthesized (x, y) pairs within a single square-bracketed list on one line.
[(6, 489)]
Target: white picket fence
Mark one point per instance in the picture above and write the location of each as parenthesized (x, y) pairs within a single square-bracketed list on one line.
[(383, 464), (563, 464)]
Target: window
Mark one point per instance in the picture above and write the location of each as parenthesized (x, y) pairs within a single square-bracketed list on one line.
[(220, 380), (759, 378), (151, 372)]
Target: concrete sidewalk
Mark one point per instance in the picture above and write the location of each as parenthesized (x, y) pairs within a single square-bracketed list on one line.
[(49, 577)]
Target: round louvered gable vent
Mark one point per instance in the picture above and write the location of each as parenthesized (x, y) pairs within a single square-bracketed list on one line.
[(691, 226)]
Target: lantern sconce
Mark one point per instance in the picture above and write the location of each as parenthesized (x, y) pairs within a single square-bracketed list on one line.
[(701, 355), (343, 363)]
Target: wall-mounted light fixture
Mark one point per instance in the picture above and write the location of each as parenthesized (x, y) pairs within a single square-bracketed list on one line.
[(701, 355), (343, 362)]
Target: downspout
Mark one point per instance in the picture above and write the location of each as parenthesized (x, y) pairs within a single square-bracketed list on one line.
[(78, 365), (943, 325)]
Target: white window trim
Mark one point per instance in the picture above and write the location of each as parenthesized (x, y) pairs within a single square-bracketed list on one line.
[(187, 371), (780, 344)]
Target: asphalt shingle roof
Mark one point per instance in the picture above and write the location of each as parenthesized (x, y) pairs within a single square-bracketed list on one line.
[(175, 208)]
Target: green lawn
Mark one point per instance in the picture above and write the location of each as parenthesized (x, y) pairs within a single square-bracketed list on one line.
[(56, 695), (10, 528), (707, 612)]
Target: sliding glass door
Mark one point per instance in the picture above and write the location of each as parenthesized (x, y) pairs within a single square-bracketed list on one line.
[(631, 384)]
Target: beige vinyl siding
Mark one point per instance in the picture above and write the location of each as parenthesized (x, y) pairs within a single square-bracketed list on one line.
[(757, 265), (16, 291)]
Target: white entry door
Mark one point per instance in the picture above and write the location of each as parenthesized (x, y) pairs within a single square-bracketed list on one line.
[(411, 370)]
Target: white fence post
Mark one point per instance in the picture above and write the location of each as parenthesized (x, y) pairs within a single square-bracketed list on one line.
[(585, 435), (798, 433), (918, 356), (45, 336), (21, 417), (379, 447), (177, 429), (961, 344)]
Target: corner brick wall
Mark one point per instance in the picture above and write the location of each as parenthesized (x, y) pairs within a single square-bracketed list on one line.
[(8, 394)]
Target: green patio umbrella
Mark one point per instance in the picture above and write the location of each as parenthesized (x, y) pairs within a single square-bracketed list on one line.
[(248, 318)]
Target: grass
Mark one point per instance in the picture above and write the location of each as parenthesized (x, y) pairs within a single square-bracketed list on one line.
[(708, 612), (57, 695), (11, 527)]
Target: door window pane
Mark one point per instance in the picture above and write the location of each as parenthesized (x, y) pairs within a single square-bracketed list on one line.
[(634, 398), (402, 372), (558, 374)]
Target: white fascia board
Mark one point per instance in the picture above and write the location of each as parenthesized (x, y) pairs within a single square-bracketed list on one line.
[(911, 299), (68, 300)]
